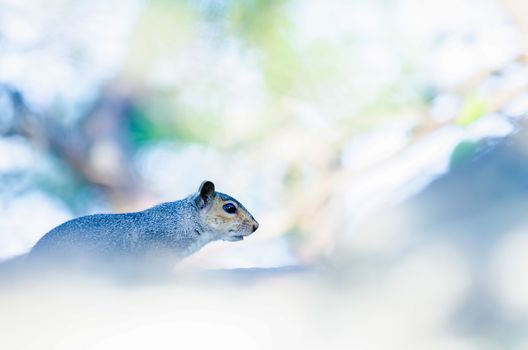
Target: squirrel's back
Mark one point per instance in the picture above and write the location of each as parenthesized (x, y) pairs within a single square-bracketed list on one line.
[(103, 233)]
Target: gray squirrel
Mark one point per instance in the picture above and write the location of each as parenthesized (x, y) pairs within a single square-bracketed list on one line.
[(160, 235)]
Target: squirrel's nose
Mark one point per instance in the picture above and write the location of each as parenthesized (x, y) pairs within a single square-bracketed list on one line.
[(255, 226)]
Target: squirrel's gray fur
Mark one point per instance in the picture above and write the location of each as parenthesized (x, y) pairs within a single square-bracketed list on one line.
[(167, 232)]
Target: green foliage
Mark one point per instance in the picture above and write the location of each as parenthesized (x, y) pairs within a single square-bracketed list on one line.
[(265, 26), (156, 119), (462, 153), (473, 109)]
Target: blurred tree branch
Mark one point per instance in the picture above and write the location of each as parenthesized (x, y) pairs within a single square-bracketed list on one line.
[(99, 151), (518, 10), (317, 209)]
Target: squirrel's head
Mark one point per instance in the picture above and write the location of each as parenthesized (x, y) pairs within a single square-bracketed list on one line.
[(223, 215)]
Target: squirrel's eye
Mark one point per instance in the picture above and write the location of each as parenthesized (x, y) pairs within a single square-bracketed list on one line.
[(230, 208)]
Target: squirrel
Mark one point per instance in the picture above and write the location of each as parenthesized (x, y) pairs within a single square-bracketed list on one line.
[(165, 233)]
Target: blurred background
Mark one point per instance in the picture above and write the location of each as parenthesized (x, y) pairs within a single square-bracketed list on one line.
[(382, 145)]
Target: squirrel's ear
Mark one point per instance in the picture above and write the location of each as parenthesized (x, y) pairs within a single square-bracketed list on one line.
[(205, 193)]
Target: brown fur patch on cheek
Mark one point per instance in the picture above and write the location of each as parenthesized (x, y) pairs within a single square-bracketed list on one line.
[(218, 220)]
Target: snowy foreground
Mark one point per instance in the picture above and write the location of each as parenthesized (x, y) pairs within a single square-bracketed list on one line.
[(283, 308)]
